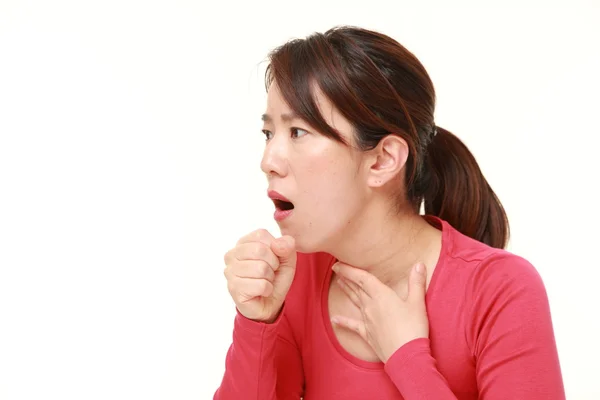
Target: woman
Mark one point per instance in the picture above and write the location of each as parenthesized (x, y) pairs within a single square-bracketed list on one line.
[(362, 297)]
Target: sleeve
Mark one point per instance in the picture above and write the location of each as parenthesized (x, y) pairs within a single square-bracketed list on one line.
[(511, 333), (510, 330), (262, 363), (413, 370)]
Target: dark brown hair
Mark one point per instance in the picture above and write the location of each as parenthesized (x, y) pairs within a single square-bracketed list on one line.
[(382, 88)]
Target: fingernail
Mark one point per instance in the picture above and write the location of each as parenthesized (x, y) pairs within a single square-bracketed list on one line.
[(420, 268), (334, 320), (335, 267)]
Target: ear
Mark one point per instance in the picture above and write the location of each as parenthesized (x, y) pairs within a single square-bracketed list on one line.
[(387, 159)]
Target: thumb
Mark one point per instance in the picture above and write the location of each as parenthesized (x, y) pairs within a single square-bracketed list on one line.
[(417, 282), (285, 249)]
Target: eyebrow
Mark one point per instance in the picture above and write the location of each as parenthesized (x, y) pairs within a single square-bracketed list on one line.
[(286, 117)]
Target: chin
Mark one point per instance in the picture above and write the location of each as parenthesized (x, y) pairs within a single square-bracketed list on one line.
[(309, 237), (306, 248), (304, 243)]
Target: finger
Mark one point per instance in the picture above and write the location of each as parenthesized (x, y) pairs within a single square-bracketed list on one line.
[(285, 249), (363, 279), (259, 235), (351, 324), (417, 282), (245, 289), (353, 286), (351, 290), (256, 269), (257, 251)]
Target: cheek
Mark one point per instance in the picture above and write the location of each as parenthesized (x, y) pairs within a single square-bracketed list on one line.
[(330, 194), (317, 174), (331, 187)]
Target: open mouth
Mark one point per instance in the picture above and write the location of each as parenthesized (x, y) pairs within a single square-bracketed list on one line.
[(283, 205)]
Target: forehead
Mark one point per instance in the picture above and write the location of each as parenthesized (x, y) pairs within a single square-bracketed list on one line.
[(278, 110)]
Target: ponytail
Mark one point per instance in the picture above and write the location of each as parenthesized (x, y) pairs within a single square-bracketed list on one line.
[(458, 193)]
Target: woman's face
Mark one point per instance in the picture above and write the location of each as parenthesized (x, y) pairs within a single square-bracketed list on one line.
[(323, 179)]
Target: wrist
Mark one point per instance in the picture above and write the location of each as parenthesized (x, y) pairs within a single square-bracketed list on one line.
[(262, 320), (275, 317)]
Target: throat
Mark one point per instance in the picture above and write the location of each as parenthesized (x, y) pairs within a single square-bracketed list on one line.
[(390, 257)]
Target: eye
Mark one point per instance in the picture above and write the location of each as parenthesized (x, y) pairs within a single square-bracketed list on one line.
[(268, 134), (297, 132)]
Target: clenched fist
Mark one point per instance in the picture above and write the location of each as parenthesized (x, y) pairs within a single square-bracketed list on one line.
[(259, 272)]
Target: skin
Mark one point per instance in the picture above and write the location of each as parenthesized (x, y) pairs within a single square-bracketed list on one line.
[(345, 204)]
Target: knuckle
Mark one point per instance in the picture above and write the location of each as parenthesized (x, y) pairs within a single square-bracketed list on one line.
[(237, 298), (262, 285), (261, 234), (265, 269), (260, 250), (227, 257), (231, 288)]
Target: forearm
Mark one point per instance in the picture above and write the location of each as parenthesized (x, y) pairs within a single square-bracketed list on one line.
[(413, 370), (250, 370)]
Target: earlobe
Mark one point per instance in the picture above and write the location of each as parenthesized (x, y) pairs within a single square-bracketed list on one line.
[(389, 158)]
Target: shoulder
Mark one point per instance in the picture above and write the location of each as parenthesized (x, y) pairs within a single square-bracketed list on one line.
[(491, 280), (496, 283), (502, 292), (485, 266), (505, 282), (503, 269)]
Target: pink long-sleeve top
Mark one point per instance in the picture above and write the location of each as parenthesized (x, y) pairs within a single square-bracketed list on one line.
[(491, 338)]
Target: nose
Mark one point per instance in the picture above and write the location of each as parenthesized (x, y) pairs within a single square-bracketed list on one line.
[(274, 157)]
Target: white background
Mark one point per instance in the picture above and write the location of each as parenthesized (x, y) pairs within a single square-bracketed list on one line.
[(129, 164)]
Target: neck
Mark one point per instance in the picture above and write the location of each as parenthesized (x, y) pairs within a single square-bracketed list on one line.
[(389, 249)]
